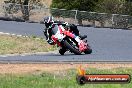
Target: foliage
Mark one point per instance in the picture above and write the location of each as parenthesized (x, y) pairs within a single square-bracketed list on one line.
[(128, 8), (23, 5), (83, 5), (78, 5), (105, 6), (114, 6)]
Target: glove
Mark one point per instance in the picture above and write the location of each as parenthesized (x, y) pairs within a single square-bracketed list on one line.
[(51, 42)]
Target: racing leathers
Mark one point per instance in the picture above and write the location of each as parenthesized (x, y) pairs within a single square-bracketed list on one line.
[(67, 26)]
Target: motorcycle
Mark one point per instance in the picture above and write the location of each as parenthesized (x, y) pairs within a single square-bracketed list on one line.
[(66, 40)]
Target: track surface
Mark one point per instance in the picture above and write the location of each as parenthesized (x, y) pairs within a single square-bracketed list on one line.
[(107, 44)]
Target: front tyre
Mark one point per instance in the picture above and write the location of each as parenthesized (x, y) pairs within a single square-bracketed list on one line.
[(71, 47), (62, 51), (88, 51)]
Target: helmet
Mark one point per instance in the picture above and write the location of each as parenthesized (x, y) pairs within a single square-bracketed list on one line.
[(48, 21)]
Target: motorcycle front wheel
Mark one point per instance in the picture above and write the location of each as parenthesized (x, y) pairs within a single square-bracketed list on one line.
[(88, 51), (71, 47)]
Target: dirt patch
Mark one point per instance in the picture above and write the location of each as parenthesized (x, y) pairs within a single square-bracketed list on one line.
[(2, 1), (47, 2), (33, 68)]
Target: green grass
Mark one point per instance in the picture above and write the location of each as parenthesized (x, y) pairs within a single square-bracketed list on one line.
[(17, 45), (66, 79)]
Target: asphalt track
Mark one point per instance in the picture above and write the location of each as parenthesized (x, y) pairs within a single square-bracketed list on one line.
[(109, 45)]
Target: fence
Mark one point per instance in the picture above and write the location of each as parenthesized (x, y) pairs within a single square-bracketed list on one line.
[(37, 13)]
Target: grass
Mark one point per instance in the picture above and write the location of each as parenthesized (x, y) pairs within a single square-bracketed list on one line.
[(65, 79), (17, 45)]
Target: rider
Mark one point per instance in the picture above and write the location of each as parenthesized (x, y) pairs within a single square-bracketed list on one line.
[(49, 21)]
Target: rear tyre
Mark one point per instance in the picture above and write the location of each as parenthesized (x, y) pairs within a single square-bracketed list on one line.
[(71, 47)]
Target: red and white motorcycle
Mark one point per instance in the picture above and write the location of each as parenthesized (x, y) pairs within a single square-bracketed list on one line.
[(69, 41)]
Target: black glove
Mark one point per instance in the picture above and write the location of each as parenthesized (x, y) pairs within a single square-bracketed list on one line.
[(51, 42)]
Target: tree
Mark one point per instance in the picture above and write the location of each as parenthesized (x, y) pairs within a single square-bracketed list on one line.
[(25, 9), (128, 7), (24, 4), (83, 5), (114, 6)]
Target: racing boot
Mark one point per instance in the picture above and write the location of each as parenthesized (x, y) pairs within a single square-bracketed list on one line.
[(62, 51), (83, 36), (81, 44)]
